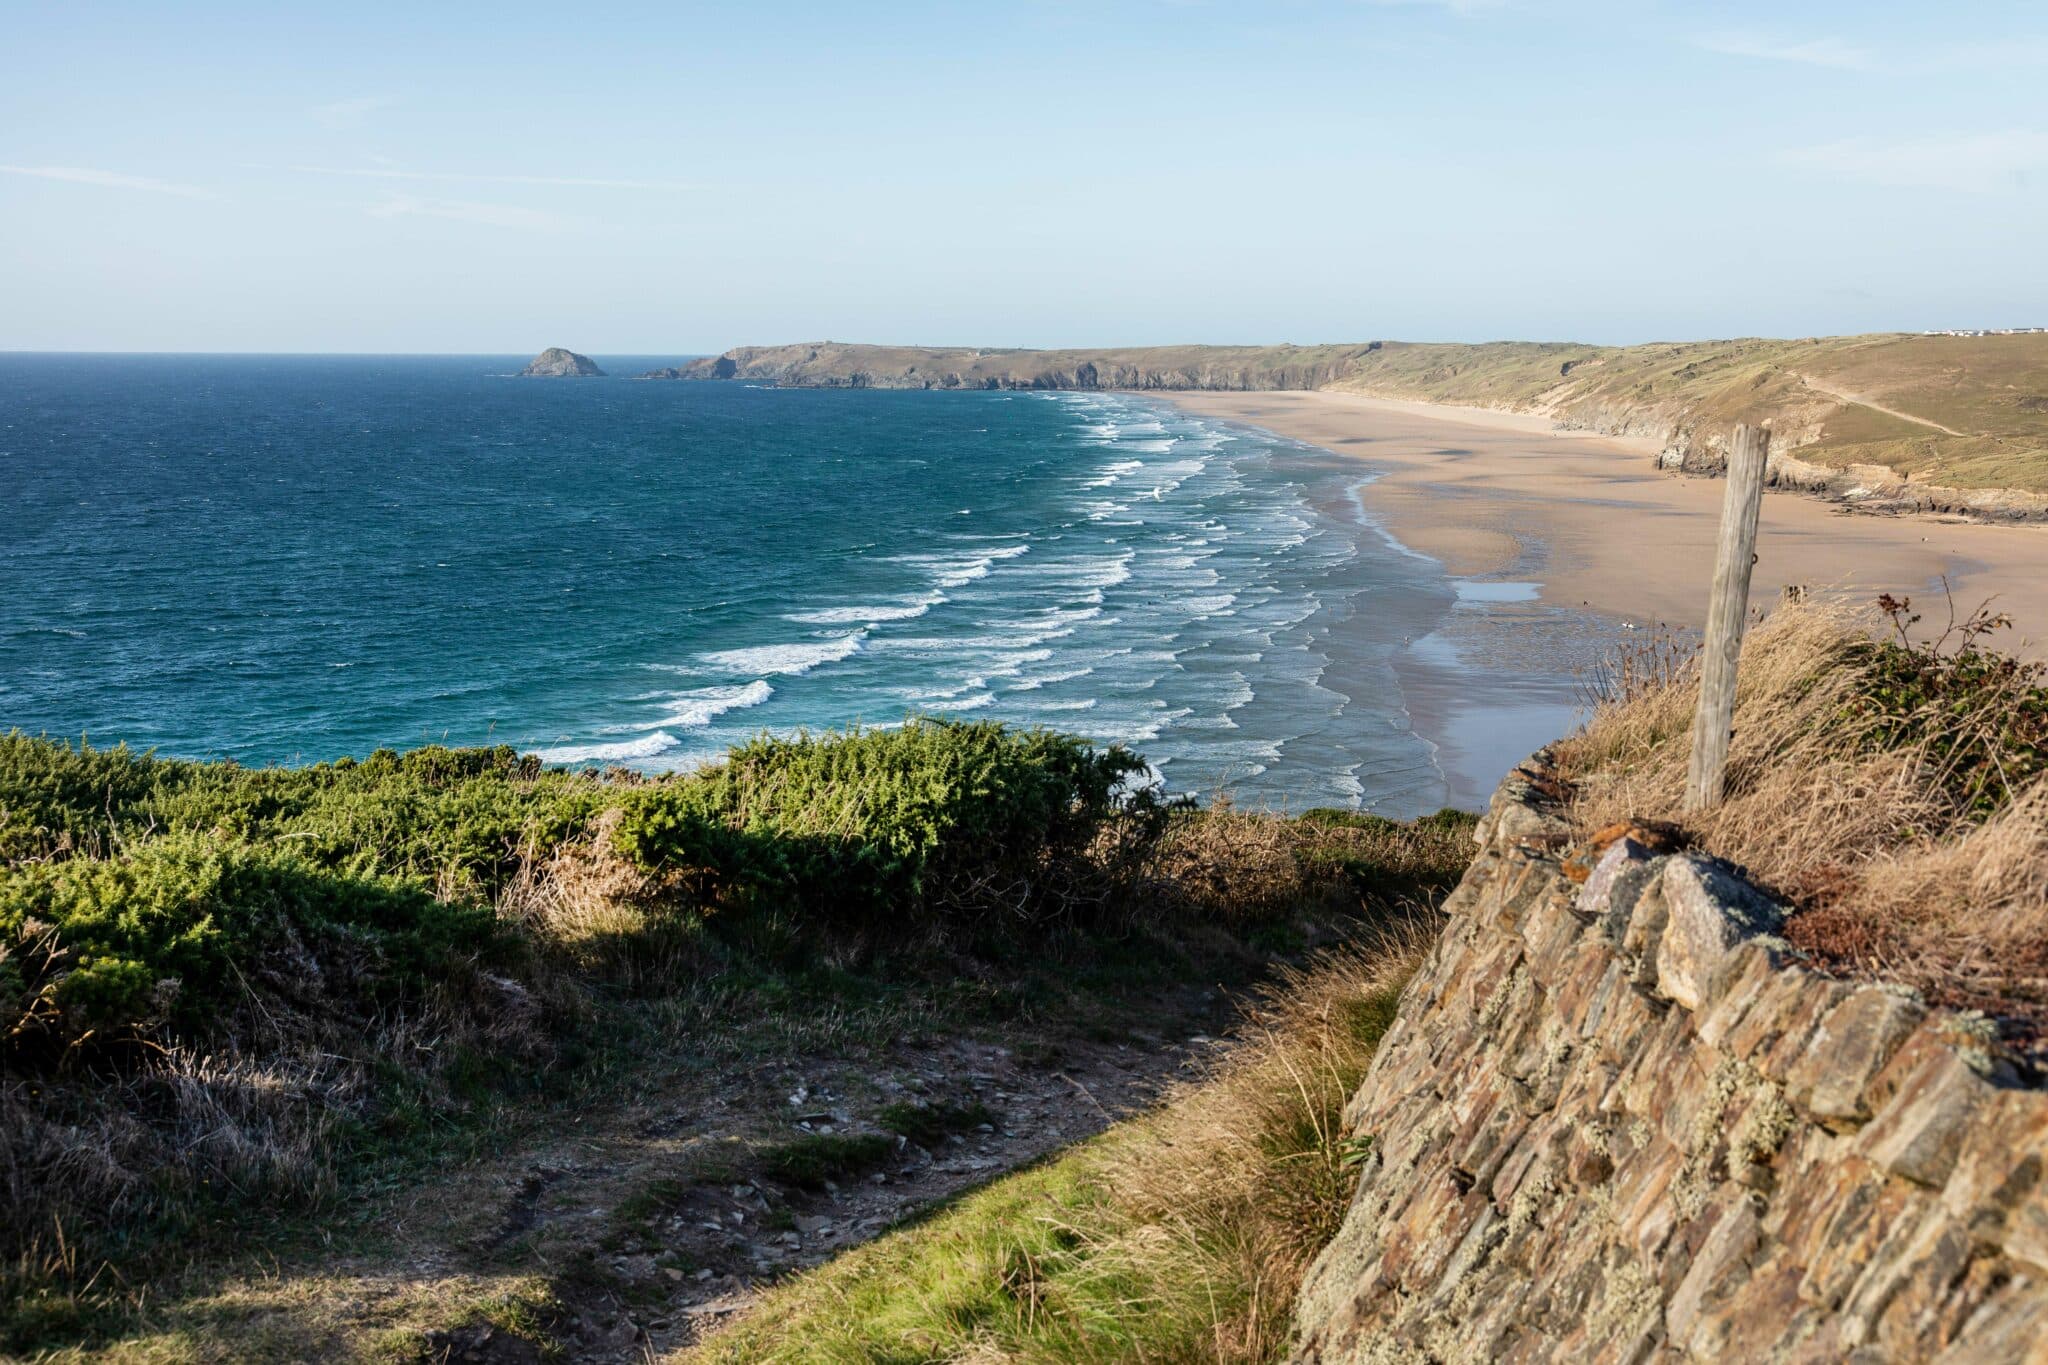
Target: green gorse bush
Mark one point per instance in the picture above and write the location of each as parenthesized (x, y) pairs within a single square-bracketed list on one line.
[(140, 894), (936, 815)]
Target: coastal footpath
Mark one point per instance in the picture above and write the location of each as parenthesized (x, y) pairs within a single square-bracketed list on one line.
[(1890, 422), (1616, 1119)]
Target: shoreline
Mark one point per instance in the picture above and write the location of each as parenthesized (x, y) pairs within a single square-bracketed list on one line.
[(1482, 491), (1606, 543)]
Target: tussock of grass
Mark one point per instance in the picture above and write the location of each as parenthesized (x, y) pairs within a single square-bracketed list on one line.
[(1180, 1236), (930, 1124), (1892, 789), (814, 1158)]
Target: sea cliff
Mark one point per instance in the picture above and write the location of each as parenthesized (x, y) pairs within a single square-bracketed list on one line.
[(1890, 422), (838, 365)]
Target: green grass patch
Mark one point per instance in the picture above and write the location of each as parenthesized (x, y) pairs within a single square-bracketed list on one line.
[(811, 1160), (928, 1124)]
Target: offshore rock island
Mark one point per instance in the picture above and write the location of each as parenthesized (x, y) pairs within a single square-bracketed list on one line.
[(556, 363)]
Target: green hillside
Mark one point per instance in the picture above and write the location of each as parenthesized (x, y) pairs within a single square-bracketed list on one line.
[(1957, 412)]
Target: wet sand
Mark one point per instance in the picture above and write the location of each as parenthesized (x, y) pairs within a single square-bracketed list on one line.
[(1610, 544)]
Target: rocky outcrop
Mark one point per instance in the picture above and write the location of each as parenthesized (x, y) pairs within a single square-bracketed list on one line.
[(1874, 489), (1616, 1120), (556, 363)]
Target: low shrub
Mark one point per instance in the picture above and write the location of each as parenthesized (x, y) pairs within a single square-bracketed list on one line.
[(167, 935), (1980, 717), (939, 816), (1246, 868), (456, 822)]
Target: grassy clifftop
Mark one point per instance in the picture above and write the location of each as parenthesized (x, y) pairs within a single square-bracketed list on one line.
[(1962, 412), (834, 364), (439, 1006), (1956, 412)]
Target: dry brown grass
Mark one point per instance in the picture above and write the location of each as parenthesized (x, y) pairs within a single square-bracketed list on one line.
[(1897, 868), (1220, 864), (1265, 1129), (586, 906)]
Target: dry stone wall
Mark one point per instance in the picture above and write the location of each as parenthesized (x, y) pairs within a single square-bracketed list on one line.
[(1616, 1121)]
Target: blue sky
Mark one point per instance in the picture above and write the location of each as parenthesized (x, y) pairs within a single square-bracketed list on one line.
[(682, 177)]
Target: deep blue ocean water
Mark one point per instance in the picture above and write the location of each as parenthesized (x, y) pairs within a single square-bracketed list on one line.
[(281, 559)]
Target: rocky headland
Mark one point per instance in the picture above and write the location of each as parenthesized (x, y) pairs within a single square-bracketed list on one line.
[(839, 365), (1883, 423)]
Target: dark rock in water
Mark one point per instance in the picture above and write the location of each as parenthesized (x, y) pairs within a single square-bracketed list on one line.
[(719, 367), (556, 363)]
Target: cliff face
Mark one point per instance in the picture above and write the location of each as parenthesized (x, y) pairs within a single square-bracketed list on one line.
[(836, 365), (1614, 1121), (1846, 404)]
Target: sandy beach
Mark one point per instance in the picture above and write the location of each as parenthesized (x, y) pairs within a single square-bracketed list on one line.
[(1564, 541), (1495, 494)]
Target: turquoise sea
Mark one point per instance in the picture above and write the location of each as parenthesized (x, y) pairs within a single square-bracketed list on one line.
[(283, 559)]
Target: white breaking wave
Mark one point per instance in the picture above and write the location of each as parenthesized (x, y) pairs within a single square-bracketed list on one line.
[(790, 658), (958, 570), (944, 644), (1086, 571), (647, 746), (1039, 680), (699, 705), (853, 616), (1112, 472)]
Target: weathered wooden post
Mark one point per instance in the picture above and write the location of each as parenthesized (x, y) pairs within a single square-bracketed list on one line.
[(1733, 561)]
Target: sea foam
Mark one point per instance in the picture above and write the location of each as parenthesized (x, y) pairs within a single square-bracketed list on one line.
[(795, 658), (647, 746), (904, 610), (701, 705)]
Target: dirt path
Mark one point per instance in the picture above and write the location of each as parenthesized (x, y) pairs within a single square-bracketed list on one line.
[(1860, 401), (633, 1229)]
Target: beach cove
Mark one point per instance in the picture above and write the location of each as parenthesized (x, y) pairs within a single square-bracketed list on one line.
[(1494, 494), (1563, 543)]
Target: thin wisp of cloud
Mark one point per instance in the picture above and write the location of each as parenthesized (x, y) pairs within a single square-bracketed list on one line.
[(469, 211), (113, 180), (1973, 163), (1454, 6), (1830, 52), (351, 113), (486, 178)]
